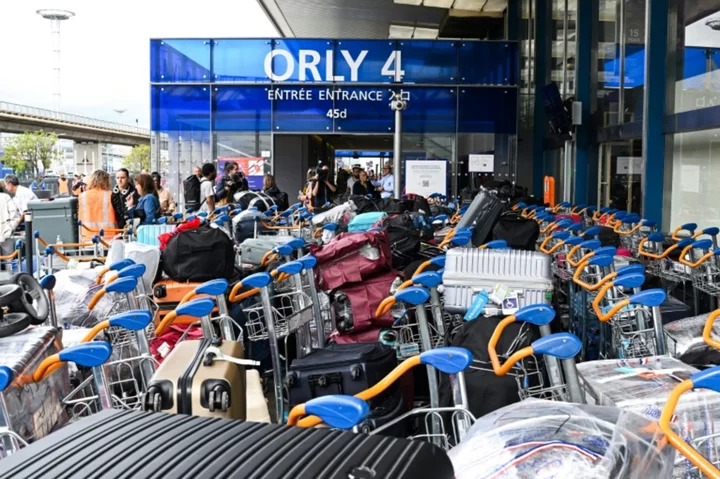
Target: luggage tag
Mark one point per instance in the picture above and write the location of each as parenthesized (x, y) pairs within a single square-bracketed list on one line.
[(499, 293), (478, 305), (510, 304)]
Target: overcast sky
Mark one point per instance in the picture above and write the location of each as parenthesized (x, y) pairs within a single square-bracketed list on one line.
[(106, 49)]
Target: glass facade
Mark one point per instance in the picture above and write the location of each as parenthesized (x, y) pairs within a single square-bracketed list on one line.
[(215, 100)]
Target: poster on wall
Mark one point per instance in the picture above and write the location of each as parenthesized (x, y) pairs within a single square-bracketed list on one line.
[(690, 178), (253, 168), (425, 177), (481, 163)]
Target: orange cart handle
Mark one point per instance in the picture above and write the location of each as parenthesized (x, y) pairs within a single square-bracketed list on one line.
[(166, 321), (549, 227), (385, 306), (650, 255), (705, 466), (600, 296), (590, 287), (707, 331), (492, 344), (422, 267), (694, 265), (613, 311)]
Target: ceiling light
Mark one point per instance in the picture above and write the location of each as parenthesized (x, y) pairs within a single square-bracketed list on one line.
[(408, 2), (426, 33), (401, 31), (475, 5), (439, 3)]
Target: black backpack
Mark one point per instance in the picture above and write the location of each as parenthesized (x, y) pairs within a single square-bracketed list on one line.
[(519, 233), (191, 187), (404, 239), (198, 255)]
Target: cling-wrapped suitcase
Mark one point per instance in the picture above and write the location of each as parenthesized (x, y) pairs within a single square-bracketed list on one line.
[(187, 382), (33, 409), (117, 444), (468, 270), (148, 234)]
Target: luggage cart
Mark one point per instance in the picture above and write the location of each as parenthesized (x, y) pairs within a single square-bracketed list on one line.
[(702, 257), (524, 366), (448, 360), (659, 263), (636, 321), (275, 317), (90, 355), (707, 379)]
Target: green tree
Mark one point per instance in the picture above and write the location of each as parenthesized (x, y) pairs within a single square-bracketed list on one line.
[(138, 159), (30, 151)]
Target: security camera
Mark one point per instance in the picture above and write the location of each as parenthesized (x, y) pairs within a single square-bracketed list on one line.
[(398, 105)]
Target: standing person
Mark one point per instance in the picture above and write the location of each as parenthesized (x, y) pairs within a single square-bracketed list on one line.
[(271, 189), (197, 172), (167, 202), (123, 189), (79, 185), (63, 184), (37, 184), (356, 169), (306, 191), (363, 186), (387, 183), (9, 220), (228, 185), (148, 206), (95, 207), (322, 189), (207, 192), (21, 195)]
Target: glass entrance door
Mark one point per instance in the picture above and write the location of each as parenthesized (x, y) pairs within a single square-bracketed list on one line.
[(621, 172)]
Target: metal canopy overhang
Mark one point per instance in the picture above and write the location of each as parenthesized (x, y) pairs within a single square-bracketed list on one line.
[(367, 19)]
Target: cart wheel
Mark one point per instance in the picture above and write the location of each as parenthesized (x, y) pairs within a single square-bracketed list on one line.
[(33, 301), (211, 401), (225, 401)]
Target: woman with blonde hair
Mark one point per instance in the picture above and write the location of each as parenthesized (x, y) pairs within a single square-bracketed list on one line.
[(95, 209)]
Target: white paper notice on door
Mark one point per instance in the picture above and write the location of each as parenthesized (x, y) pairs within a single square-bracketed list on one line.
[(624, 163), (690, 178), (481, 163), (425, 177)]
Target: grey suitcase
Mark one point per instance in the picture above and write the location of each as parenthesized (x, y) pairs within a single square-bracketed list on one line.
[(33, 409), (468, 270), (58, 217), (253, 250)]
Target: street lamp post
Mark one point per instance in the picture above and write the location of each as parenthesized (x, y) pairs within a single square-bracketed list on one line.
[(55, 17)]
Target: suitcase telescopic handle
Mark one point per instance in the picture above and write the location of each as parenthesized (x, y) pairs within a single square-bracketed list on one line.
[(449, 360), (708, 329), (88, 355), (707, 379)]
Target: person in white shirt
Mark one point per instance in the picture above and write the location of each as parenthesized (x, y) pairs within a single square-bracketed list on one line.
[(356, 169), (21, 194), (9, 220), (207, 188), (387, 183)]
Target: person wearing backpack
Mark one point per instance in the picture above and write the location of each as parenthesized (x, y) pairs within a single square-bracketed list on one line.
[(270, 188), (197, 192)]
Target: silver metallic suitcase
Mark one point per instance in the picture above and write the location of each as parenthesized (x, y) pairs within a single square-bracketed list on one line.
[(468, 270), (33, 409), (252, 250)]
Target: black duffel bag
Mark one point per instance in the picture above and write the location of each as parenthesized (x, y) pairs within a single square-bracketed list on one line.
[(519, 233), (198, 255), (405, 238)]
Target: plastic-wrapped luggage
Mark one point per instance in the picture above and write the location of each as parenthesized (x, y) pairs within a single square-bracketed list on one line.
[(468, 270), (114, 444), (252, 250), (684, 340), (334, 215), (538, 439), (351, 258), (73, 292), (33, 408), (257, 199), (246, 223), (140, 254), (365, 221), (673, 309), (643, 386)]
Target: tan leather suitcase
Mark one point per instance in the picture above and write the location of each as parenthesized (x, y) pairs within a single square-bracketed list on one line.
[(192, 381)]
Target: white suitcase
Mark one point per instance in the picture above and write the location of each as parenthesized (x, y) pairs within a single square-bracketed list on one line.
[(469, 270)]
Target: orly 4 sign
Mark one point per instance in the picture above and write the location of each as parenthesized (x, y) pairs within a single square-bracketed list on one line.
[(307, 64)]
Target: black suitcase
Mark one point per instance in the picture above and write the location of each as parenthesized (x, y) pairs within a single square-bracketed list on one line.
[(341, 369), (116, 444), (483, 212), (519, 233)]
